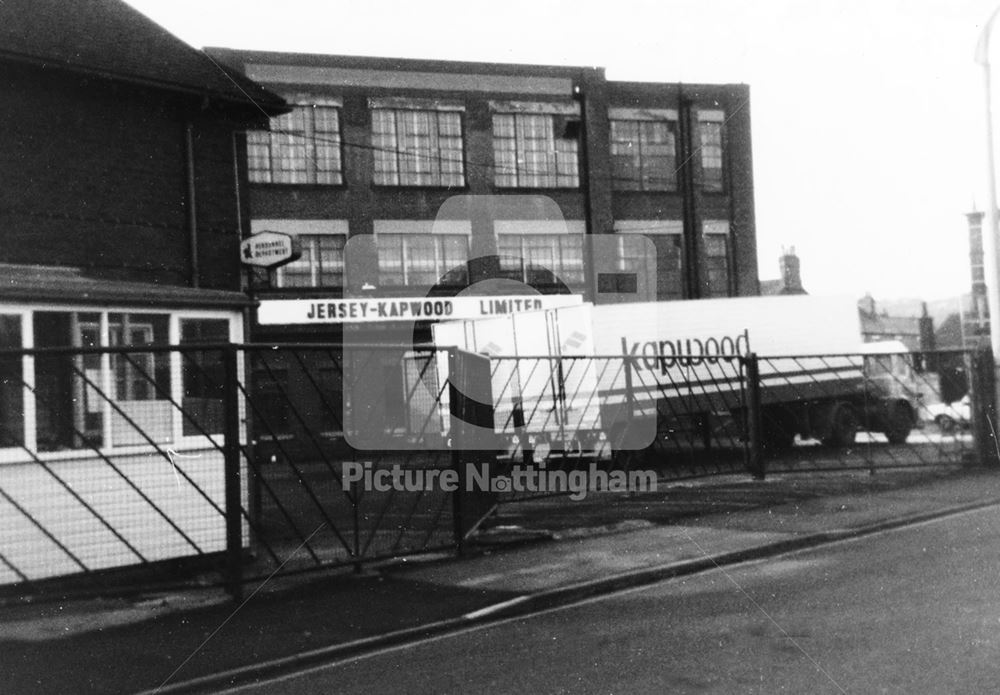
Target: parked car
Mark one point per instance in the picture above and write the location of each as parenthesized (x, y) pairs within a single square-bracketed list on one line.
[(949, 417)]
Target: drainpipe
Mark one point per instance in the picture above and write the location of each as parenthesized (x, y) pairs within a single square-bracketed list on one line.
[(192, 216), (687, 126)]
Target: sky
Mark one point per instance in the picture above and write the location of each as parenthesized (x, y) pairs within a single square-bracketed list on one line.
[(868, 116)]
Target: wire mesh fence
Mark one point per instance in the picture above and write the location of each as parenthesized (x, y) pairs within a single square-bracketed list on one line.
[(247, 460)]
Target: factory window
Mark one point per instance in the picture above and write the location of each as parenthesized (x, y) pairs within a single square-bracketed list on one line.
[(321, 263), (417, 147), (422, 259), (302, 147), (533, 150), (643, 155), (717, 255), (542, 259), (711, 147)]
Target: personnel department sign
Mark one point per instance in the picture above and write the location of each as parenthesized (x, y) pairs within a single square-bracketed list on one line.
[(273, 312), (270, 249)]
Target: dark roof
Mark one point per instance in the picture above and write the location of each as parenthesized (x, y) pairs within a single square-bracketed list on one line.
[(110, 39), (66, 285)]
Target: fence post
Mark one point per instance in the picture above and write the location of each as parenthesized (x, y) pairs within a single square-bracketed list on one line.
[(983, 386), (755, 454), (234, 497), (473, 441)]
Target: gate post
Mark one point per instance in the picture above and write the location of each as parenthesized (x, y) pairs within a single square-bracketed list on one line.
[(472, 439), (755, 454), (233, 493), (983, 386)]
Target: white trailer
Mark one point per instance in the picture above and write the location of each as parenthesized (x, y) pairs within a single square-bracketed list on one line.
[(622, 369)]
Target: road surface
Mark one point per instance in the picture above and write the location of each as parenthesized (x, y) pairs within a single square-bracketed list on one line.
[(916, 610)]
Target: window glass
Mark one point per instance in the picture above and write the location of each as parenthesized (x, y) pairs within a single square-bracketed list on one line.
[(11, 383), (417, 148), (203, 376), (542, 259), (643, 155), (302, 147), (422, 259), (529, 151), (711, 155), (69, 389), (716, 265), (321, 263), (141, 380)]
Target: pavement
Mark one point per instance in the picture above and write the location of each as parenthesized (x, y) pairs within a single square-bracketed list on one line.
[(536, 555)]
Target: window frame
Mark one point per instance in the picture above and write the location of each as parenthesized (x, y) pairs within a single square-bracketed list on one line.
[(316, 269), (268, 144), (661, 229), (717, 119), (562, 162), (639, 118), (107, 447), (558, 272), (434, 176), (717, 228), (441, 265)]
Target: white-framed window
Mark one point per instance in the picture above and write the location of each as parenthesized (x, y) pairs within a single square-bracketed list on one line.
[(417, 147), (667, 237), (302, 147), (541, 258), (715, 280), (75, 400), (422, 259), (710, 127), (532, 147), (322, 242), (420, 253), (320, 265), (643, 149)]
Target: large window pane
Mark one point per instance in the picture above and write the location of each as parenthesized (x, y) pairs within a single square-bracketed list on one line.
[(415, 147), (716, 265), (141, 380), (69, 389), (321, 263), (542, 259), (302, 147), (711, 155), (643, 155), (203, 376), (11, 384), (423, 259), (529, 152)]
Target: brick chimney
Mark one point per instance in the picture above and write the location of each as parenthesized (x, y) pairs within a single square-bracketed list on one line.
[(791, 278)]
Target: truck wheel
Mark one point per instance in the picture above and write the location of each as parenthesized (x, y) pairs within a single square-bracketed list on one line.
[(899, 425), (777, 430), (946, 424), (843, 427)]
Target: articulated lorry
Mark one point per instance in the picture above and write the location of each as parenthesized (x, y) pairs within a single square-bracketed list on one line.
[(579, 376)]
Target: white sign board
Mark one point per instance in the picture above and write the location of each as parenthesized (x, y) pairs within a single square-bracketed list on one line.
[(284, 312), (269, 249)]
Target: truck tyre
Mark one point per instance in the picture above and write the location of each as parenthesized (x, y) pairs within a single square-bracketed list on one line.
[(946, 424), (843, 427), (777, 429), (900, 423)]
